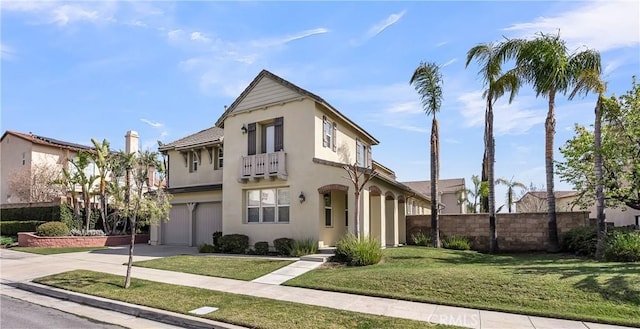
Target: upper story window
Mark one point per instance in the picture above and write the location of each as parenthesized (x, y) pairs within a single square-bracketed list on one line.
[(363, 154), (220, 157), (271, 136), (329, 133), (24, 158), (194, 161)]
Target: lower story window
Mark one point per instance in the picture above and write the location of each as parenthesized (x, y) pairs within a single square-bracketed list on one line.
[(328, 217), (268, 206)]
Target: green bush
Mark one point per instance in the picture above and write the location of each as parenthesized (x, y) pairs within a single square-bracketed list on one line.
[(261, 248), (44, 214), (283, 246), (7, 240), (53, 229), (581, 241), (67, 217), (234, 243), (12, 228), (303, 247), (623, 246), (358, 252), (216, 239), (421, 239), (206, 248), (456, 242)]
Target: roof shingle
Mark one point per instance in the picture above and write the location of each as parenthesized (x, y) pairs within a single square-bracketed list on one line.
[(204, 137)]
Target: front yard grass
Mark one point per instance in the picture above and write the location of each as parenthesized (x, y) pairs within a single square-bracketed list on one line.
[(537, 284), (252, 312), (52, 251), (239, 268)]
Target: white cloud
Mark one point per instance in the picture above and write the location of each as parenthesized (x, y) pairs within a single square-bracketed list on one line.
[(384, 24), (174, 35), (6, 52), (62, 14), (279, 41), (440, 44), (200, 37), (152, 124), (509, 119), (602, 25), (451, 61)]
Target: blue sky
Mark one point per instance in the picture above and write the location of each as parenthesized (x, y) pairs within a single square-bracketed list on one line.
[(81, 70)]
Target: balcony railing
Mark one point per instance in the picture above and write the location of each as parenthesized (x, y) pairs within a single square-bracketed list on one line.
[(265, 165)]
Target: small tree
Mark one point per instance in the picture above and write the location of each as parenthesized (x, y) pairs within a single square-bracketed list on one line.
[(145, 205), (511, 192), (359, 177), (36, 183), (480, 190)]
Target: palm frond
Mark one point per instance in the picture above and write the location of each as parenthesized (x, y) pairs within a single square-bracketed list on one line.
[(427, 81)]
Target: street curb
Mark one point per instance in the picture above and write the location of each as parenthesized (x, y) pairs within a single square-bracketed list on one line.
[(171, 318)]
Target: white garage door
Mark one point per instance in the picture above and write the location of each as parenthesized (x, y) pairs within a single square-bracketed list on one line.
[(176, 230), (208, 220)]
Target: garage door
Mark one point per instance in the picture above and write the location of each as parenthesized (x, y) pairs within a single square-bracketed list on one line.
[(176, 230), (208, 220)]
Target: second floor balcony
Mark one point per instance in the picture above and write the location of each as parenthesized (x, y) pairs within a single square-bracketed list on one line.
[(264, 165)]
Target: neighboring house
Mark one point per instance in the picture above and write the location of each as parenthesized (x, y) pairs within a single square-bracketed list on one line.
[(272, 167), (23, 154), (450, 198), (536, 201)]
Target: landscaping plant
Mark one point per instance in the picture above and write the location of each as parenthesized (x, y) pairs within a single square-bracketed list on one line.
[(303, 247), (261, 248), (234, 243), (356, 251), (206, 248), (283, 246), (421, 239), (456, 242), (623, 246), (52, 229)]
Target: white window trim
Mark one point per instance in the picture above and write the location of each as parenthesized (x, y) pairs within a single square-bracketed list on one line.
[(277, 207), (220, 157)]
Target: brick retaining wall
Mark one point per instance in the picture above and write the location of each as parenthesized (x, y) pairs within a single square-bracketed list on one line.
[(516, 231), (32, 240)]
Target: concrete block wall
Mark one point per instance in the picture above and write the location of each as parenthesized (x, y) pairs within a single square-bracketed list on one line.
[(32, 240), (516, 232)]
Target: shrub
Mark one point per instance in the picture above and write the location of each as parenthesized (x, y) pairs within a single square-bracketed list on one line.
[(77, 232), (44, 214), (12, 228), (456, 242), (261, 248), (283, 246), (581, 241), (358, 252), (421, 239), (67, 217), (622, 246), (206, 248), (53, 229), (303, 247), (7, 240), (234, 243)]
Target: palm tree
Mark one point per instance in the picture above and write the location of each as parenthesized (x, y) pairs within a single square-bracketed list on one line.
[(511, 192), (427, 81), (478, 192), (101, 159), (546, 63), (497, 85), (590, 81), (80, 163)]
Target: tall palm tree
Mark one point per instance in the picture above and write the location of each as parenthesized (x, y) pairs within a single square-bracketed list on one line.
[(546, 63), (101, 158), (427, 81), (511, 192), (497, 85), (590, 81)]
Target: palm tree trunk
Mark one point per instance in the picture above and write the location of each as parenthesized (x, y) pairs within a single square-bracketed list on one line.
[(510, 197), (490, 151), (597, 133), (550, 130), (435, 172), (484, 200)]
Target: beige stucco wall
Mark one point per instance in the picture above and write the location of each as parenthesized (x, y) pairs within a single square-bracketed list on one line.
[(11, 152), (205, 175)]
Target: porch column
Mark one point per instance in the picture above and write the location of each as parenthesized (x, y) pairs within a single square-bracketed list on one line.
[(383, 221), (192, 207), (365, 228), (402, 222), (395, 223)]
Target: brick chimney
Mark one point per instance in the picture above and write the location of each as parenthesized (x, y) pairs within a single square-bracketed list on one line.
[(131, 141)]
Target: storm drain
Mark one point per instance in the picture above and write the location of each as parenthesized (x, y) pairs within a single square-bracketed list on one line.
[(203, 310)]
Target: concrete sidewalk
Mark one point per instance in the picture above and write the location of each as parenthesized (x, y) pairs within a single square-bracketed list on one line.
[(22, 267)]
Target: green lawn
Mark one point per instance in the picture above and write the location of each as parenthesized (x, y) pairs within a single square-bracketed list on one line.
[(241, 310), (52, 251), (539, 284), (239, 268)]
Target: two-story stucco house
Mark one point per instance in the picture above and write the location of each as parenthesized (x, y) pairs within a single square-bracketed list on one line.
[(272, 167)]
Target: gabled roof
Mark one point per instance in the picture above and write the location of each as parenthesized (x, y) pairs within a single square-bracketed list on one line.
[(304, 92), (543, 194), (444, 185), (204, 137), (46, 141)]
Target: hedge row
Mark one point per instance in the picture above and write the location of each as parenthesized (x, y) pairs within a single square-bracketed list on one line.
[(45, 214), (11, 228)]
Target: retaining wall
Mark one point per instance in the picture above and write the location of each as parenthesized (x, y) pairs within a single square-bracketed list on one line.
[(517, 232), (26, 239)]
